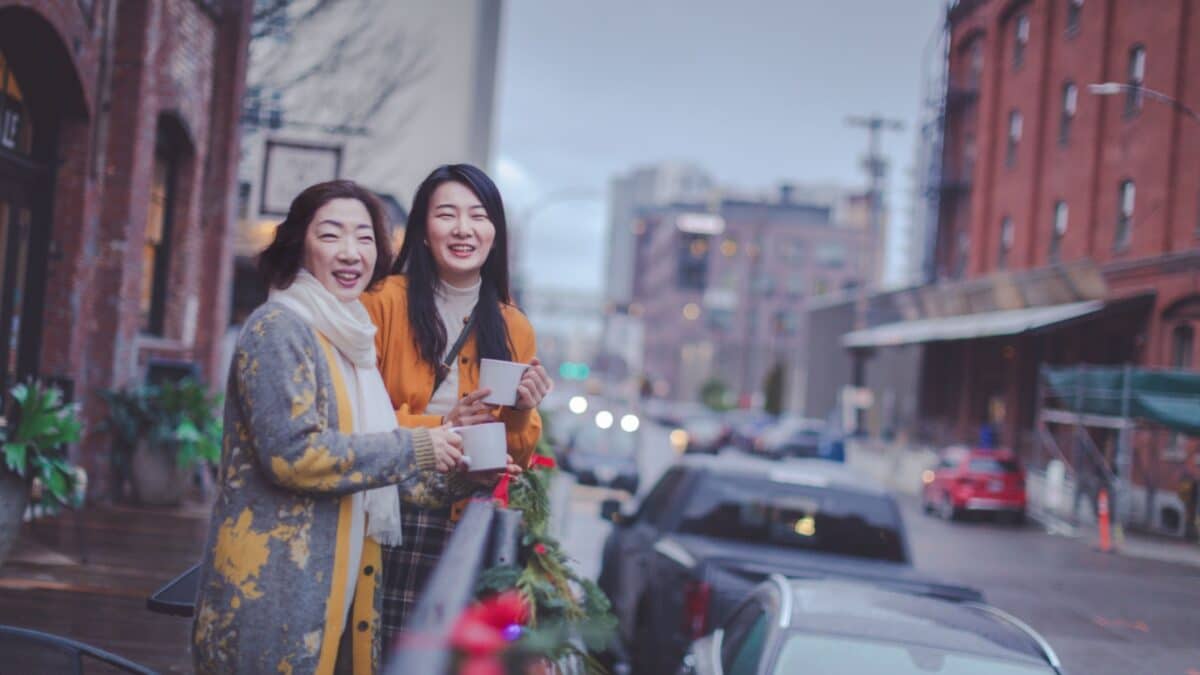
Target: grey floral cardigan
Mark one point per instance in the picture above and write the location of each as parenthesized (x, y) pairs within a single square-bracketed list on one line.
[(273, 581)]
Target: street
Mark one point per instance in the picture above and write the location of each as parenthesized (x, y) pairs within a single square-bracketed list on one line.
[(1103, 613)]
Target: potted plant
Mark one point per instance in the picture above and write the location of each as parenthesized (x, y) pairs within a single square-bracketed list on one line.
[(160, 433), (36, 447)]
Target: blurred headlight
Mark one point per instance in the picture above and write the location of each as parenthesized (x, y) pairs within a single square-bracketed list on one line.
[(630, 423), (604, 419), (577, 405), (679, 440)]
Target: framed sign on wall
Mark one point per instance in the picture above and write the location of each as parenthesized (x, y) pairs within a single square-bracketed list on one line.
[(288, 168)]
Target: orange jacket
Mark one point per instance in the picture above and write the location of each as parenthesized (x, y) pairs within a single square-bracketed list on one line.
[(409, 379)]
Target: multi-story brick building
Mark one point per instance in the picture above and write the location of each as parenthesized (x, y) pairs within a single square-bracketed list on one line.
[(1039, 171), (721, 288), (1068, 217), (118, 154)]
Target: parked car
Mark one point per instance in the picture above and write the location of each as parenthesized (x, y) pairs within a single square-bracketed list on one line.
[(834, 627), (745, 427), (603, 457), (791, 437), (705, 433), (713, 527), (975, 480)]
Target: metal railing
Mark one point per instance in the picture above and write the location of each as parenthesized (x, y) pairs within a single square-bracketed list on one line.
[(485, 536)]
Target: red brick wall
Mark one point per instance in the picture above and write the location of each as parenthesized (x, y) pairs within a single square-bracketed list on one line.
[(1156, 148), (174, 58)]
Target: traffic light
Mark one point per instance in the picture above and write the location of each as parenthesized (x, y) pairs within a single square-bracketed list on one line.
[(573, 370)]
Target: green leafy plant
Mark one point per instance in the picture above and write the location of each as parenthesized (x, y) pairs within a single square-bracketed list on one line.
[(716, 395), (37, 446), (175, 416)]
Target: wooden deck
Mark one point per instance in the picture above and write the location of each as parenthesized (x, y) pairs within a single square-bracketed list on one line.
[(131, 552)]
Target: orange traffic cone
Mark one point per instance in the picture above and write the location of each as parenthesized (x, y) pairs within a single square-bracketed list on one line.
[(1102, 515)]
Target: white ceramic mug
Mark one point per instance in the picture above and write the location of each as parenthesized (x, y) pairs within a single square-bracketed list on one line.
[(486, 445), (502, 377)]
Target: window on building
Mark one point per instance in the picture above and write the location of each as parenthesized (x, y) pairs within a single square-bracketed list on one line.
[(975, 63), (1137, 77), (962, 250), (1020, 39), (156, 250), (968, 160), (1006, 241), (831, 254), (1060, 230), (1070, 100), (719, 318), (16, 121), (1183, 345), (243, 199), (797, 283), (1126, 194), (1014, 137), (1074, 9), (693, 262)]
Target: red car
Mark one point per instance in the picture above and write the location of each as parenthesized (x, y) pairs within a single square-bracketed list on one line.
[(966, 480)]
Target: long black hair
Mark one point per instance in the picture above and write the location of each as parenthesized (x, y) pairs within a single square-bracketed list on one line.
[(416, 261)]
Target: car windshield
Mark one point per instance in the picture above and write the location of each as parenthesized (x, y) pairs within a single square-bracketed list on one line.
[(993, 465), (794, 514), (611, 441), (806, 653)]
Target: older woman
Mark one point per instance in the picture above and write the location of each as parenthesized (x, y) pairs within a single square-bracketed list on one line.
[(446, 306), (288, 582)]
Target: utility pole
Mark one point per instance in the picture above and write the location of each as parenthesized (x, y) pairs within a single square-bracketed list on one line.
[(876, 166)]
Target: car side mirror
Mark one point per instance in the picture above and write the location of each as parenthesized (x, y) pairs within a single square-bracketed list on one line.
[(610, 510)]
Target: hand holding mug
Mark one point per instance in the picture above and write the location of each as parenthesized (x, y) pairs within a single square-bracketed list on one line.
[(535, 384), (489, 478), (470, 410), (447, 448)]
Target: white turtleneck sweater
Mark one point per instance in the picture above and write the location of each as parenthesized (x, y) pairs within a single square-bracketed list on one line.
[(454, 306)]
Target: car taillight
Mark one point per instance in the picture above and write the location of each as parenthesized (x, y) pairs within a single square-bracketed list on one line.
[(696, 597)]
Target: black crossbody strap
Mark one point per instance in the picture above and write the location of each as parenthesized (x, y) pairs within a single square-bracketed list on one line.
[(444, 368)]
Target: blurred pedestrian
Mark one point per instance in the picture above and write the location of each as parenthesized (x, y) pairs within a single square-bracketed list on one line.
[(445, 307), (294, 541)]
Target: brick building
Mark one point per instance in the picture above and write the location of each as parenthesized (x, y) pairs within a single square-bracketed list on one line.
[(1039, 171), (118, 151), (721, 287), (1068, 221)]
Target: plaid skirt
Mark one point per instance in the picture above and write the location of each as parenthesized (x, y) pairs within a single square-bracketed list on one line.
[(406, 568)]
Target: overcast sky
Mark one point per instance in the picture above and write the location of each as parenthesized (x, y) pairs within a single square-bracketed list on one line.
[(755, 91)]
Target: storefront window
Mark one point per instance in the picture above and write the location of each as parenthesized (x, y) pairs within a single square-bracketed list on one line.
[(156, 250), (16, 122)]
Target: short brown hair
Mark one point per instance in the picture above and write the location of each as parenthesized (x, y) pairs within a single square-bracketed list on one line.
[(280, 262)]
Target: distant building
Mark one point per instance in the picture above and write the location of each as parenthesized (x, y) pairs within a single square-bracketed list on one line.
[(721, 288), (118, 150), (641, 188)]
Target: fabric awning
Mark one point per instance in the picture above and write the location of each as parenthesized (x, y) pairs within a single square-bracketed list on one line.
[(969, 326)]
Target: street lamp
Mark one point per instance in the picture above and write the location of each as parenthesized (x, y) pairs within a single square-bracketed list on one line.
[(1118, 88)]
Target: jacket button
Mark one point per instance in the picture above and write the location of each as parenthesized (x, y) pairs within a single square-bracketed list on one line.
[(464, 360), (368, 570), (363, 626)]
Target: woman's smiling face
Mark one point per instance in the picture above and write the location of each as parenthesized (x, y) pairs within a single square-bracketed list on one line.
[(460, 233), (339, 248)]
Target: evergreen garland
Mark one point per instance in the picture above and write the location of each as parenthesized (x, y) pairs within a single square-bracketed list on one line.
[(570, 618)]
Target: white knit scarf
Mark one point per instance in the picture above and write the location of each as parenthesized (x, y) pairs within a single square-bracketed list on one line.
[(348, 327)]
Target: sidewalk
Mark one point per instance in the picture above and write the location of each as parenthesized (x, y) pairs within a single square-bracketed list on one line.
[(131, 552), (899, 469)]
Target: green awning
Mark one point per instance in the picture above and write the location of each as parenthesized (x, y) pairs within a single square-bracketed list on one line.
[(1167, 397)]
